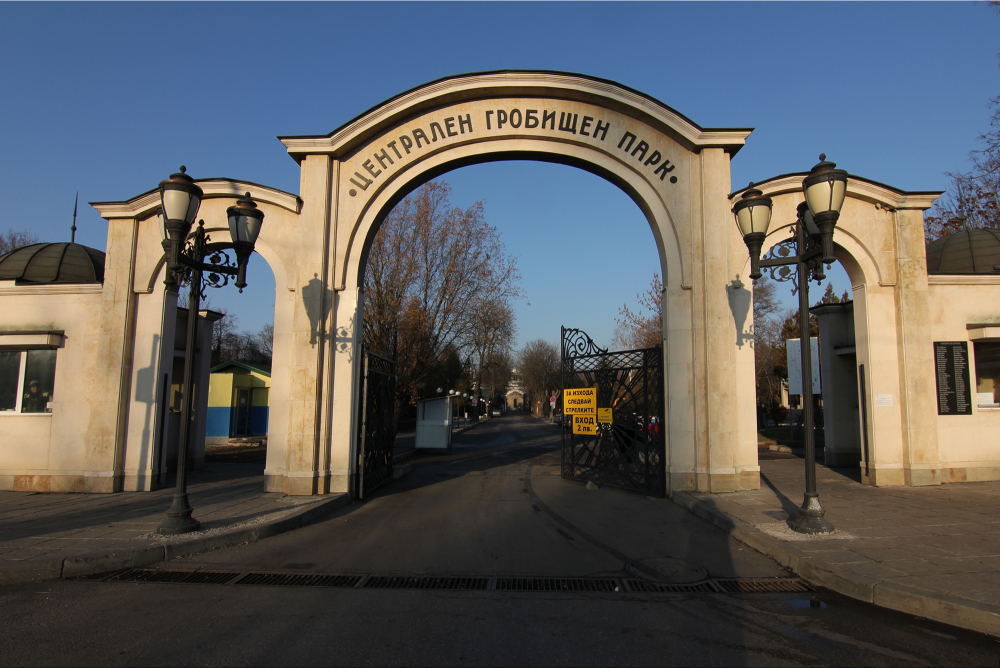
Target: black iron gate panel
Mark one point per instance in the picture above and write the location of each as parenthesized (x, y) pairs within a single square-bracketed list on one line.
[(375, 425), (629, 451)]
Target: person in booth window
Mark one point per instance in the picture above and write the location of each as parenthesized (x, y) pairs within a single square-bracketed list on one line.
[(35, 401)]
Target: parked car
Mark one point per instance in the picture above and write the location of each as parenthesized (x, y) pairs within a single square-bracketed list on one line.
[(495, 412)]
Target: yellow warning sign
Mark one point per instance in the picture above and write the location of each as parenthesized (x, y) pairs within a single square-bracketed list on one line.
[(585, 425), (579, 401), (604, 415)]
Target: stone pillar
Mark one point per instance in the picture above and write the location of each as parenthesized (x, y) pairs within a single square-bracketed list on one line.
[(921, 463), (718, 368), (875, 337), (105, 440), (153, 355), (346, 373), (300, 397)]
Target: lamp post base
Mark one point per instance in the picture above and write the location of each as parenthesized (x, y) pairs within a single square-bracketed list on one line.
[(179, 518), (810, 519)]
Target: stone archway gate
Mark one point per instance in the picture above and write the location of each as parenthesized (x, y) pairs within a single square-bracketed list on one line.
[(675, 171), (316, 243)]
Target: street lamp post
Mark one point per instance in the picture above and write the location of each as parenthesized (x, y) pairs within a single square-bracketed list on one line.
[(825, 189), (180, 199)]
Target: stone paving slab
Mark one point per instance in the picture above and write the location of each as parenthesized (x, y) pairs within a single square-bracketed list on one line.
[(928, 551), (47, 536)]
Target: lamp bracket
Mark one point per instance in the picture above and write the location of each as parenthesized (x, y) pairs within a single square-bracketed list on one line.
[(784, 255), (216, 273)]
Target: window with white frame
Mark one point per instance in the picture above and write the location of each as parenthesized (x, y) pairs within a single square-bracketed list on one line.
[(987, 373), (27, 378)]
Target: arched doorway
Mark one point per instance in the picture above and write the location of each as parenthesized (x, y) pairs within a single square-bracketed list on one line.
[(675, 171), (880, 244)]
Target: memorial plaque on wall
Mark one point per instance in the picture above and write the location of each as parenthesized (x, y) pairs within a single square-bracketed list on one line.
[(951, 362)]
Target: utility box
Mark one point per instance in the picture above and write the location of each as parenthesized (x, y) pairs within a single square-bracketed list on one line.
[(434, 424)]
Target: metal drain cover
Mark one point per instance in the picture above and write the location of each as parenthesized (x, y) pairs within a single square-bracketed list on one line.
[(511, 584), (666, 570)]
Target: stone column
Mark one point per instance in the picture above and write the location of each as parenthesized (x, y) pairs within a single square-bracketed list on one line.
[(346, 370), (875, 323), (105, 440), (921, 463), (308, 340), (717, 368), (153, 355)]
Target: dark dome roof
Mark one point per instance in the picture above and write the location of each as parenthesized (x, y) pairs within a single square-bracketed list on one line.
[(53, 263), (965, 252)]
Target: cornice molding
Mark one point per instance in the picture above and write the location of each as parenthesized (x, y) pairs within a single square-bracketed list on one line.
[(490, 85), (145, 205), (962, 279), (858, 187)]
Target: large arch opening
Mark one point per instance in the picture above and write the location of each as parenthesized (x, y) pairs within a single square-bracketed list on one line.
[(651, 204), (556, 221)]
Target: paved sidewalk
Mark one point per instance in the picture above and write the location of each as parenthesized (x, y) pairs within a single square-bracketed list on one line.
[(47, 536), (927, 551)]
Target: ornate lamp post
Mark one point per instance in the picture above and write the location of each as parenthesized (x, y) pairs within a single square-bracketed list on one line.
[(180, 199), (812, 238)]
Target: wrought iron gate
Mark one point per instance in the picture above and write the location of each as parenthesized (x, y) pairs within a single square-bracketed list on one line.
[(628, 452), (376, 432)]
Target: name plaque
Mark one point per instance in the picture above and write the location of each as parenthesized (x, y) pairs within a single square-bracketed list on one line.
[(951, 364)]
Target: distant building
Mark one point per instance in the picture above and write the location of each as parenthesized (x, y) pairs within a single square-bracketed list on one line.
[(238, 394), (515, 390)]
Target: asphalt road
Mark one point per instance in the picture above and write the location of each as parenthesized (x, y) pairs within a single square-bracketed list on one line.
[(488, 509)]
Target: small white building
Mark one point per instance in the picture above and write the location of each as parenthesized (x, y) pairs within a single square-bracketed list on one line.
[(54, 383)]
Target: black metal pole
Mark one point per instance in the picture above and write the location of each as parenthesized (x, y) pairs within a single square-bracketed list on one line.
[(179, 518), (811, 513)]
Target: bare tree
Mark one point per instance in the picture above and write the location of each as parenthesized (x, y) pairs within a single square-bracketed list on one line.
[(538, 363), (491, 339), (265, 340), (642, 328), (432, 271), (973, 198), (12, 240), (769, 348)]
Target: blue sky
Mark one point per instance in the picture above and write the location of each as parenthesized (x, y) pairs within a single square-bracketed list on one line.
[(108, 99)]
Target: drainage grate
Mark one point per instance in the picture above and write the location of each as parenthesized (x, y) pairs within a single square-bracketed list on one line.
[(558, 584), (762, 585), (299, 580), (406, 582), (458, 583), (174, 577), (645, 586)]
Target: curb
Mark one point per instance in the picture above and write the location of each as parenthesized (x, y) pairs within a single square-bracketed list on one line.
[(939, 606), (102, 563)]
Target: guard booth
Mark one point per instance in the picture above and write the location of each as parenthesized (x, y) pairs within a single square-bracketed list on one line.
[(238, 398), (434, 424)]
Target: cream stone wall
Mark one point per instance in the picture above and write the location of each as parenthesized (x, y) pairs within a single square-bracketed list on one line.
[(152, 370), (879, 239), (969, 445), (42, 452)]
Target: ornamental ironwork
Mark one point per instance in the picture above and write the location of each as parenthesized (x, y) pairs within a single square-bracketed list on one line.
[(787, 250), (376, 432), (629, 451)]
